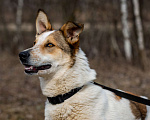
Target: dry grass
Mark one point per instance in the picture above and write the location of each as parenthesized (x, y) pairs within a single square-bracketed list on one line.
[(21, 97)]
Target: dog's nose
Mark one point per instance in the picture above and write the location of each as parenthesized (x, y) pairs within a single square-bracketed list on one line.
[(24, 55)]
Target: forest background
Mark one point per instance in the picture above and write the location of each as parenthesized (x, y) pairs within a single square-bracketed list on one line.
[(116, 40)]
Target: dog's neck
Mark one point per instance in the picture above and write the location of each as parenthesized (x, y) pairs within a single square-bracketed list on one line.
[(68, 78)]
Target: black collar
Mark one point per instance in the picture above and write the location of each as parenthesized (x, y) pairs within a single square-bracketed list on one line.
[(61, 98)]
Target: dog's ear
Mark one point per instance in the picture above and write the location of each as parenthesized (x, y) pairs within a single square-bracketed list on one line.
[(71, 31), (42, 22)]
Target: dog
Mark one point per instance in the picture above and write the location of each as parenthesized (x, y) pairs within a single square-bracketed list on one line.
[(66, 78)]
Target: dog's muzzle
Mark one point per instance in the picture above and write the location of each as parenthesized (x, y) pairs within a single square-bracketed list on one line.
[(24, 56), (30, 68)]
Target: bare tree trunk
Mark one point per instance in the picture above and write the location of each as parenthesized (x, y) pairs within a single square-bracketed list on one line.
[(18, 36), (138, 25), (139, 30), (125, 30), (114, 45), (4, 40)]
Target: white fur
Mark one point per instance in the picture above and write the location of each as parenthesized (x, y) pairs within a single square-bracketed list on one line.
[(148, 111), (43, 36)]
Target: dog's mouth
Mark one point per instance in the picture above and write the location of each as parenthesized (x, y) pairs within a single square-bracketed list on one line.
[(34, 69)]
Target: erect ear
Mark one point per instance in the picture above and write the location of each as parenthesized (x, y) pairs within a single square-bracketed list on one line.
[(71, 31), (42, 22)]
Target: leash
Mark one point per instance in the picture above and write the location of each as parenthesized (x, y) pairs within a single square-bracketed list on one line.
[(126, 95), (61, 98)]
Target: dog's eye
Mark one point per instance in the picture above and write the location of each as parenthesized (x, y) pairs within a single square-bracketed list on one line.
[(34, 43), (49, 45)]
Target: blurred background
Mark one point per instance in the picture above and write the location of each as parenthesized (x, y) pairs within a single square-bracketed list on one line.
[(116, 40)]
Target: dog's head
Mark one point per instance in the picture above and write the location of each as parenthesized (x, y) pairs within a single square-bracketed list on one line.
[(52, 49)]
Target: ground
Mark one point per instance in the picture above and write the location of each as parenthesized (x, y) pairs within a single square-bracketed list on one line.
[(21, 97)]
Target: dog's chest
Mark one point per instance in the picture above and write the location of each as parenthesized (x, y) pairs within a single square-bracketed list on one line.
[(71, 111)]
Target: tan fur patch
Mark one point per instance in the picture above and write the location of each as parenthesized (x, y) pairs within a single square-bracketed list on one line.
[(139, 110), (61, 42), (71, 32), (117, 97)]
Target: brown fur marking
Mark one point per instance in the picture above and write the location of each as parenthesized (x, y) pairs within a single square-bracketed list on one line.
[(71, 33), (118, 98), (139, 110)]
